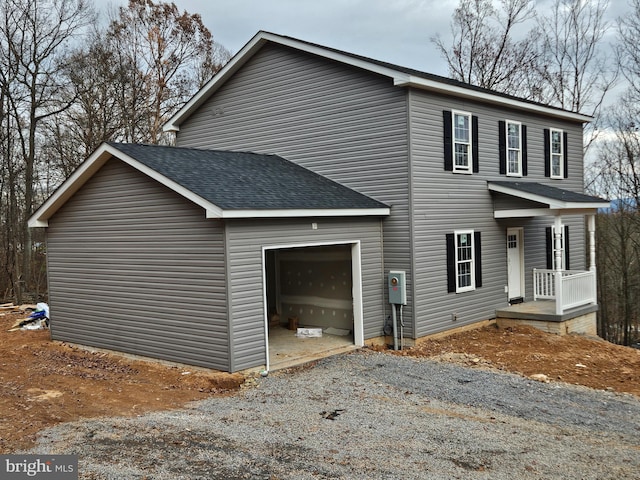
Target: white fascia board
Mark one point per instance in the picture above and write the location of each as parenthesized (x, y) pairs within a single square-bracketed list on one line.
[(238, 60), (544, 212), (71, 185), (300, 213), (520, 194), (552, 203), (488, 97), (400, 79), (173, 125), (89, 167)]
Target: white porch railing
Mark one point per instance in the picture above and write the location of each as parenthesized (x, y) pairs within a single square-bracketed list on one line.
[(569, 288)]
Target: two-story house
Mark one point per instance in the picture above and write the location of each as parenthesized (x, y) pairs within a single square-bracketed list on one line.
[(473, 199)]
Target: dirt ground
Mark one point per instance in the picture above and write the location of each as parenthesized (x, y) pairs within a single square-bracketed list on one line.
[(45, 383)]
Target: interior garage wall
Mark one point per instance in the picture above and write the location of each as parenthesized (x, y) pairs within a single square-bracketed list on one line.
[(136, 268), (245, 240), (316, 286)]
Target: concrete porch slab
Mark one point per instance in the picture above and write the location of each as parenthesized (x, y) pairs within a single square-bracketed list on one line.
[(541, 315)]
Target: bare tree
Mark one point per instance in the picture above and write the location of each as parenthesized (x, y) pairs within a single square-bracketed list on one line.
[(161, 49), (33, 39), (618, 231), (629, 49), (489, 49), (575, 71)]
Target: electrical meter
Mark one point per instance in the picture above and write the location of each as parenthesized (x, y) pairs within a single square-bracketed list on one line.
[(397, 287)]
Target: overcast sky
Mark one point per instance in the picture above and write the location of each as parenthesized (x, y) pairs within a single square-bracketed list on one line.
[(396, 31)]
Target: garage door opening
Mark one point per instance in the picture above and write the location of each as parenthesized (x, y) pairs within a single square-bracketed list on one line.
[(316, 288)]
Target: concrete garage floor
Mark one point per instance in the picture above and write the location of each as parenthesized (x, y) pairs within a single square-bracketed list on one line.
[(287, 350)]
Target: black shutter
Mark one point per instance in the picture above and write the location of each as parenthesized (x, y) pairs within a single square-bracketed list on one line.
[(566, 248), (448, 141), (451, 263), (565, 152), (477, 250), (474, 144), (523, 132), (549, 243), (502, 146), (547, 153)]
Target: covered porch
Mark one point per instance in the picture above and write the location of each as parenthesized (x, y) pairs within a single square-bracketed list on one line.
[(564, 299)]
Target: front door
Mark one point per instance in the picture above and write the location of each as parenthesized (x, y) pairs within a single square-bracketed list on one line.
[(515, 262)]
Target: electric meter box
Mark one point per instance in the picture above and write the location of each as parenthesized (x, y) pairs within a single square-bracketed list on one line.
[(397, 287)]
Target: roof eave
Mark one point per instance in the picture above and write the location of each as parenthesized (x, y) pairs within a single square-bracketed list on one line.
[(400, 79), (89, 167), (253, 46), (488, 97), (300, 213), (552, 204)]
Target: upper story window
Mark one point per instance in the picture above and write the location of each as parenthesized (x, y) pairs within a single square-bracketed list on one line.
[(556, 158), (462, 155), (556, 154), (513, 148), (460, 142)]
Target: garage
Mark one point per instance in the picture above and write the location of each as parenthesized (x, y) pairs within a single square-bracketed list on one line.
[(139, 233), (310, 299)]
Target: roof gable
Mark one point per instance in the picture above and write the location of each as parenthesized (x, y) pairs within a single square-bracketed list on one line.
[(401, 77), (226, 184)]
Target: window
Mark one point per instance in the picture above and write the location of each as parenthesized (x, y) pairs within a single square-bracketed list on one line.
[(556, 154), (556, 158), (464, 261), (514, 149), (460, 142), (464, 272), (512, 138)]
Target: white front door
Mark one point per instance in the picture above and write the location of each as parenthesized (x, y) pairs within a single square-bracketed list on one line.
[(515, 263)]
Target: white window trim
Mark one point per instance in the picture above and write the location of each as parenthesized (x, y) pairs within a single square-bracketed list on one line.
[(457, 168), (519, 149), (471, 287), (551, 154)]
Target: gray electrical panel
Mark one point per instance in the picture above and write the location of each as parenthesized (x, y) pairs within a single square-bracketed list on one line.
[(397, 287)]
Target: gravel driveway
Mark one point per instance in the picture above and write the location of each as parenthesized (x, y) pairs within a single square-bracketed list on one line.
[(370, 415)]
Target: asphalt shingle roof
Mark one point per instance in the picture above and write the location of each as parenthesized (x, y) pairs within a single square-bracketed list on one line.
[(547, 191), (247, 181)]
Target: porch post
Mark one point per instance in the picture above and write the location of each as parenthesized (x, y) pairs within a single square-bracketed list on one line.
[(591, 224), (592, 242), (557, 250)]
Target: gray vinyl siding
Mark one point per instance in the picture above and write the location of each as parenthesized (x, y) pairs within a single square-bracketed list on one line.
[(246, 239), (136, 268), (341, 122), (444, 202)]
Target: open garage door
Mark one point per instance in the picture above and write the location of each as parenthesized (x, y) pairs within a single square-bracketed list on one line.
[(315, 288)]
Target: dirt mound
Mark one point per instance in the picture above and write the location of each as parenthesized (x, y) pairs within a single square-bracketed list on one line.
[(576, 359)]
